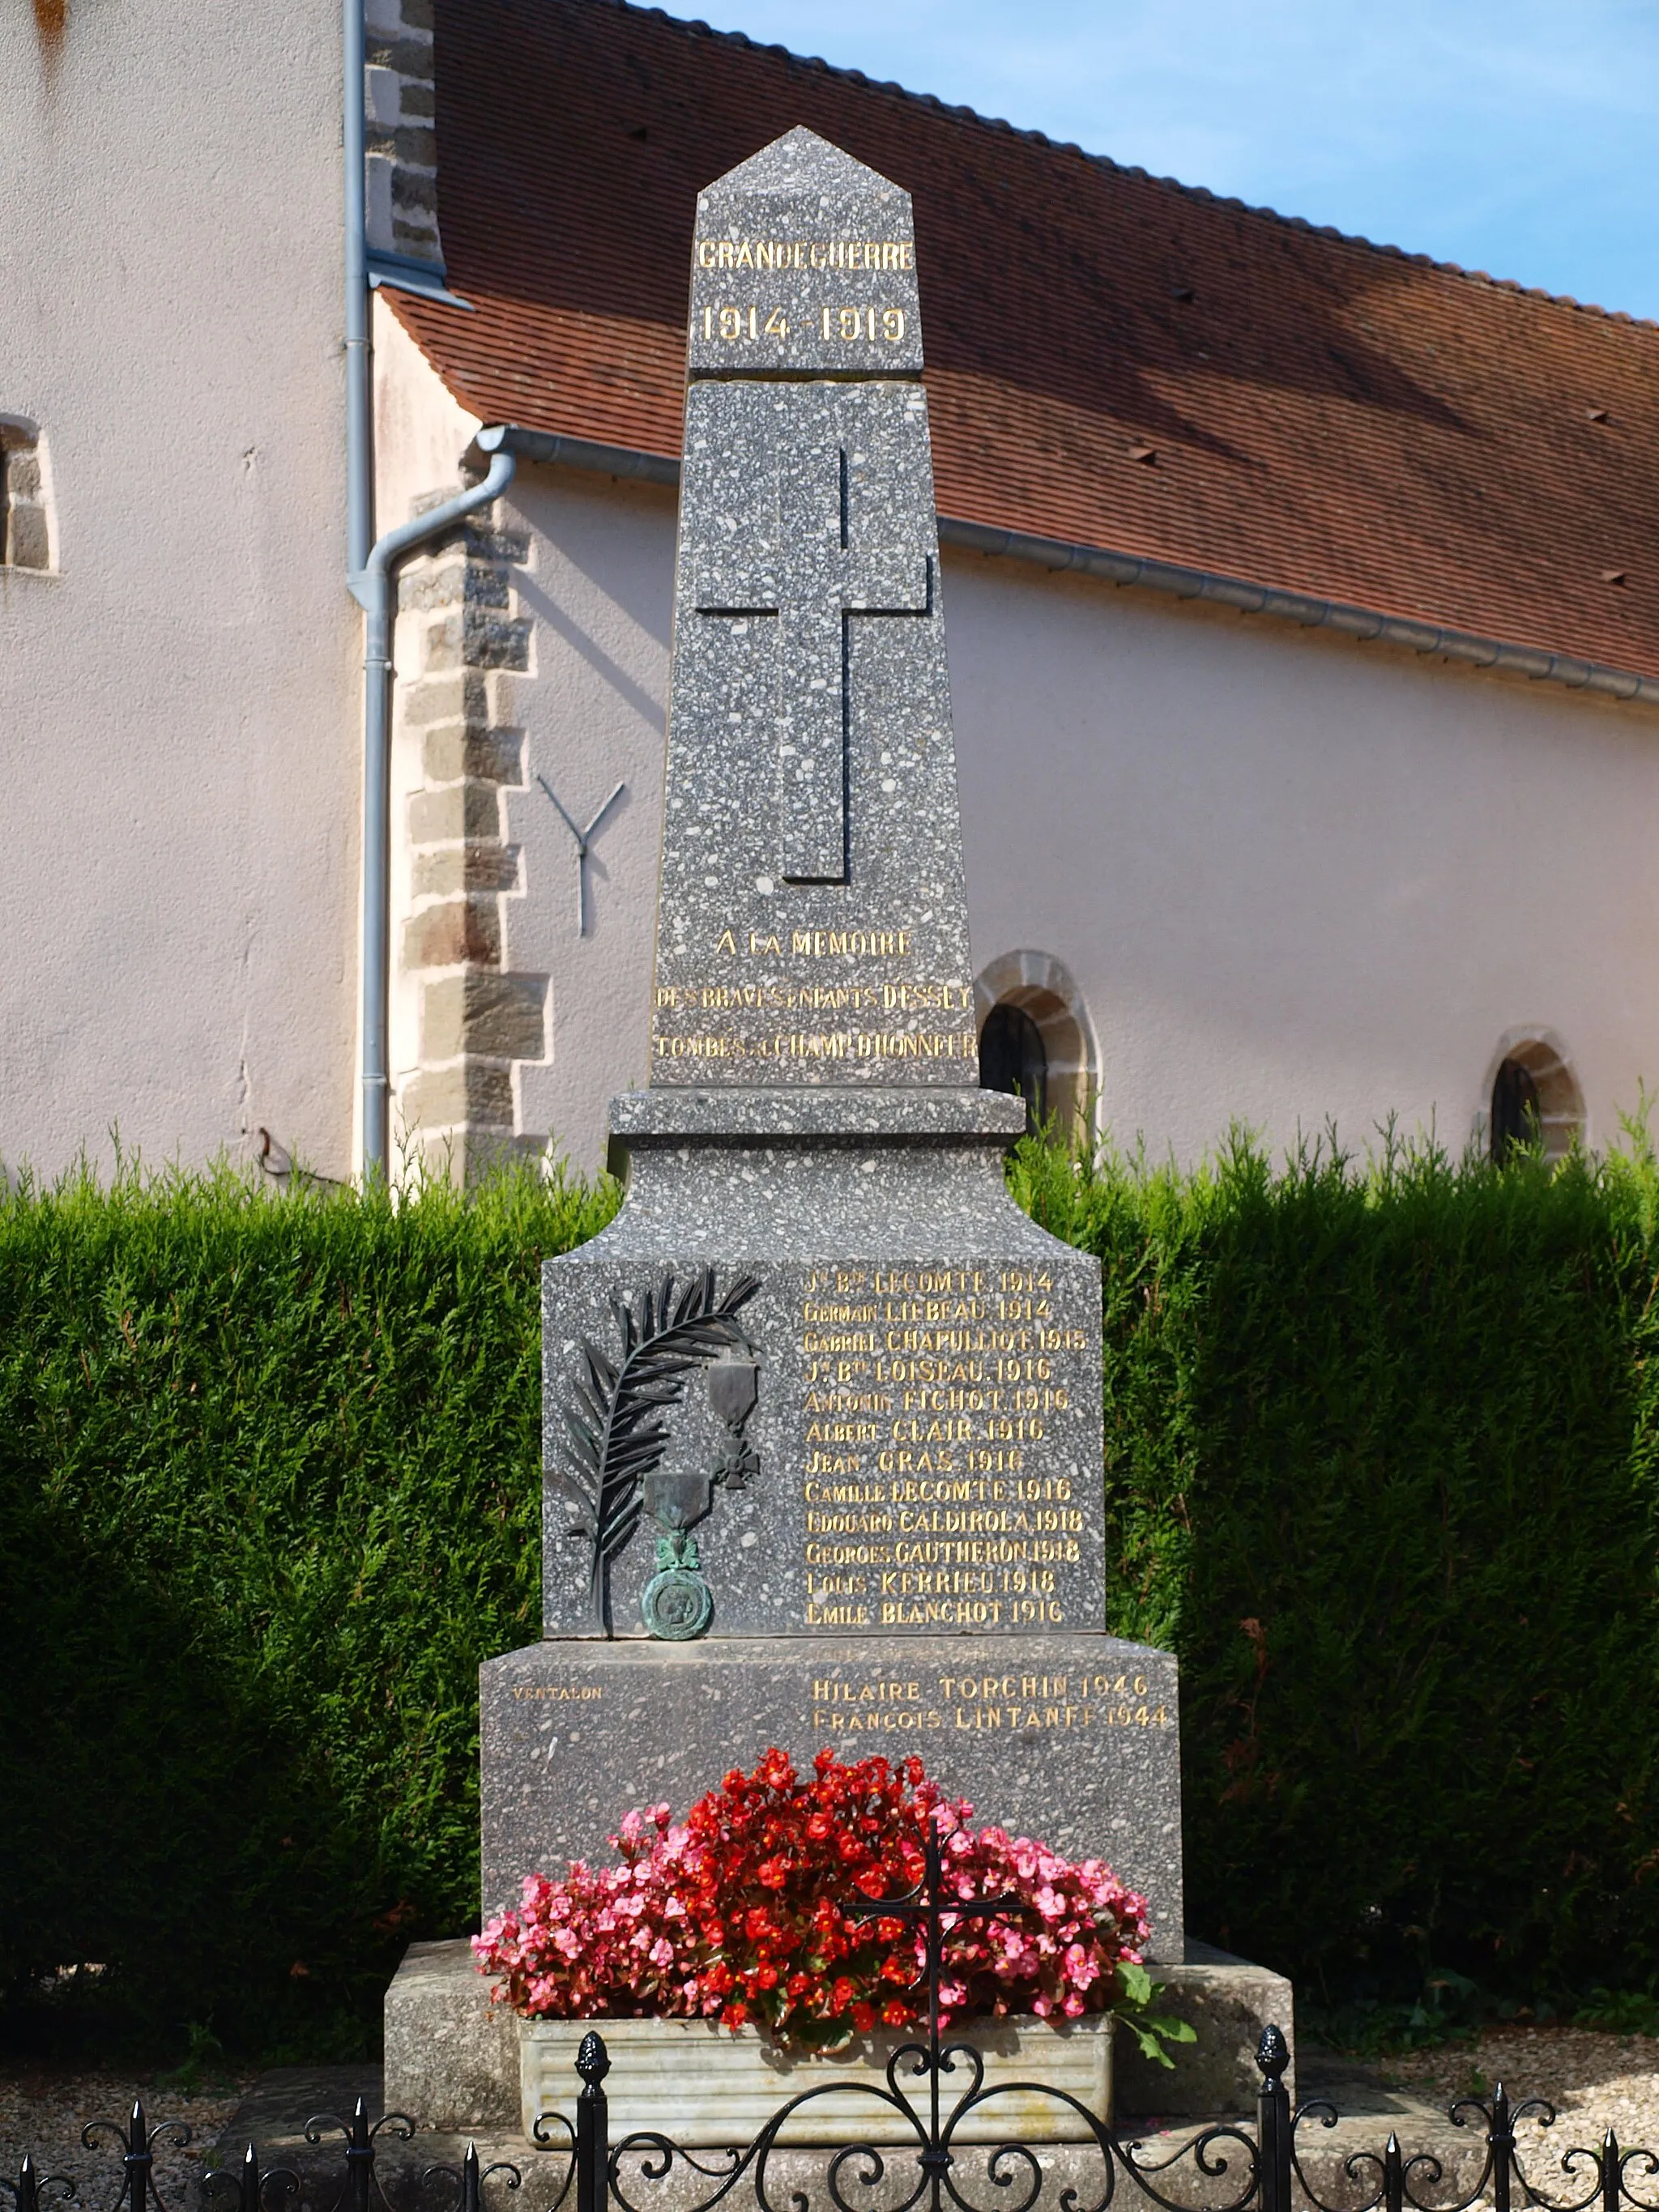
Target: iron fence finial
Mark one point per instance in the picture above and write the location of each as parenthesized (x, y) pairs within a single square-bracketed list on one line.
[(248, 2194), (592, 2059)]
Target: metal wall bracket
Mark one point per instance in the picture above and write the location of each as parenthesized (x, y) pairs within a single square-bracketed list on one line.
[(584, 838)]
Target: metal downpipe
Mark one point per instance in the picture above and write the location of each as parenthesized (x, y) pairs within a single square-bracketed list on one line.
[(373, 587), (360, 452)]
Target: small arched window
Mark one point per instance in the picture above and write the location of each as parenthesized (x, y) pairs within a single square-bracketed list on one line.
[(1534, 1098), (25, 521), (1517, 1120), (1036, 1038), (1013, 1058)]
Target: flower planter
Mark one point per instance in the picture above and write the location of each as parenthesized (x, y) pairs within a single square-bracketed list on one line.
[(702, 2085)]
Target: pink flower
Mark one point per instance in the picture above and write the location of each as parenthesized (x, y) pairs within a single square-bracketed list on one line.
[(737, 1912), (1080, 1968)]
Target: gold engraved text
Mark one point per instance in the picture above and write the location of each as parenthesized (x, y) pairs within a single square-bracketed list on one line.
[(978, 1704), (873, 253)]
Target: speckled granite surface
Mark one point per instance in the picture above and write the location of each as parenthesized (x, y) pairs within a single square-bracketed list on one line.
[(811, 924), (821, 1406), (799, 227), (649, 1121), (925, 1438)]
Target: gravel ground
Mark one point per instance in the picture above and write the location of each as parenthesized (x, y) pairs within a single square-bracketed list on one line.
[(43, 2109), (1596, 2081)]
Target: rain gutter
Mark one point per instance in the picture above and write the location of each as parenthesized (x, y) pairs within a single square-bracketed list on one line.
[(1365, 623)]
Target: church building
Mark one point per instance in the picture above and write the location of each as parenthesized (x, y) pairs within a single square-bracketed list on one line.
[(1302, 595)]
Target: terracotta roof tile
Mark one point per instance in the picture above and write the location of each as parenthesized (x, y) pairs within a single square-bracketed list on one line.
[(1323, 416)]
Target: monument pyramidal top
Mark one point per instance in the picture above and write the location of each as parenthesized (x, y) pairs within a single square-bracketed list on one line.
[(827, 246)]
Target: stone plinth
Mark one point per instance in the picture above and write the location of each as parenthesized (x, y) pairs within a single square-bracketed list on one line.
[(1071, 1738), (920, 1446), (452, 2059), (1227, 2002)]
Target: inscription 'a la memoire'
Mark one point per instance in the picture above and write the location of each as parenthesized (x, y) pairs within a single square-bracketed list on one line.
[(817, 944)]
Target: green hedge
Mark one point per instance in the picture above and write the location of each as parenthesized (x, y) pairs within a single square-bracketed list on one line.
[(268, 1495), (1380, 1465)]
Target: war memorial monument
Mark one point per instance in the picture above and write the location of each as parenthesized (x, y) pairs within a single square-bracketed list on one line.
[(822, 1407)]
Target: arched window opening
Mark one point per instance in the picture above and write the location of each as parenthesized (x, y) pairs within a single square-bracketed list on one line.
[(1534, 1098), (1036, 1038), (1012, 1059), (1518, 1119), (25, 522)]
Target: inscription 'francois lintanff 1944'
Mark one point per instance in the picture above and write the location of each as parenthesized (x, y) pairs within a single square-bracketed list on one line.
[(821, 1406)]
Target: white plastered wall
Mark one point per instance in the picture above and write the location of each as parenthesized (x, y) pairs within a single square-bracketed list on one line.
[(178, 723), (420, 429), (1297, 878), (601, 592)]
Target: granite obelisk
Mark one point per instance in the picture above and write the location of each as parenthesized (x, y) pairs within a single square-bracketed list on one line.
[(823, 1407)]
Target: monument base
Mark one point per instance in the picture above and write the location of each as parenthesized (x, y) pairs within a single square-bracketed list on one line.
[(706, 2087), (453, 2058), (1083, 1726)]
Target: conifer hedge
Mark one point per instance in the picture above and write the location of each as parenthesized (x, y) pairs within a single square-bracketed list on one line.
[(1380, 1467), (268, 1496)]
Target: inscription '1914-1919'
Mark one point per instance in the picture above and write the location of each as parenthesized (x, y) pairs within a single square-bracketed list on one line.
[(849, 324)]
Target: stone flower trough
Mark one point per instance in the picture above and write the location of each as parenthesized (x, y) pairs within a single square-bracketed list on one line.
[(704, 2085)]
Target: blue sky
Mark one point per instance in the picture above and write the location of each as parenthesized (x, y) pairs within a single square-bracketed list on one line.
[(1520, 136)]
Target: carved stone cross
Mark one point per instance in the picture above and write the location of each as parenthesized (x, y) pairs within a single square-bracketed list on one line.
[(818, 560)]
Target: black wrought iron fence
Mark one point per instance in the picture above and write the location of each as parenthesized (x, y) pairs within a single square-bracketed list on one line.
[(1258, 2170), (1229, 2166), (935, 2095), (250, 2186)]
